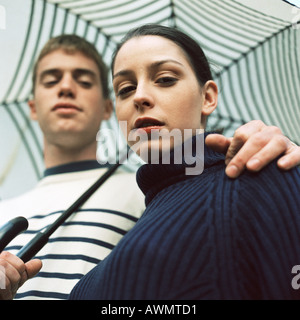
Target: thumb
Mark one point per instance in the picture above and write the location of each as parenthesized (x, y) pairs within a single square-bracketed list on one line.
[(32, 268), (218, 142)]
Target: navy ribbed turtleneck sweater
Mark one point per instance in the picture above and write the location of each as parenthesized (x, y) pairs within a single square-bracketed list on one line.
[(206, 237)]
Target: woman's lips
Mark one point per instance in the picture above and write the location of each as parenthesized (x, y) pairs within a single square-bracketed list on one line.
[(148, 129), (147, 124)]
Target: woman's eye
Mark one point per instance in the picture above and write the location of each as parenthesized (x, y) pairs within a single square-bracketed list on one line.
[(126, 90), (168, 81)]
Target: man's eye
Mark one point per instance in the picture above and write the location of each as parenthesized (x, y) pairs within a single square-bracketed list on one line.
[(86, 84), (49, 83), (126, 90)]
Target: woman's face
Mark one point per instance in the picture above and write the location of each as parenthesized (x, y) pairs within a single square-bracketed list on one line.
[(156, 88)]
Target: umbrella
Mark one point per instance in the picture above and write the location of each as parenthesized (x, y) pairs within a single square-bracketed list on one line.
[(253, 47)]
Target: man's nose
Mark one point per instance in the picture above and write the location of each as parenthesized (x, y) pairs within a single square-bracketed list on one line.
[(67, 87)]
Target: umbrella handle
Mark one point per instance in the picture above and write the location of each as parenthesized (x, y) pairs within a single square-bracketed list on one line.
[(11, 229)]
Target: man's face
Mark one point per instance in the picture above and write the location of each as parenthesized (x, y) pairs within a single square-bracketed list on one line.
[(68, 100)]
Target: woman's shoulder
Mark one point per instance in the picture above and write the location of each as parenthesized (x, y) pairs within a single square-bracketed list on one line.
[(272, 179), (270, 196)]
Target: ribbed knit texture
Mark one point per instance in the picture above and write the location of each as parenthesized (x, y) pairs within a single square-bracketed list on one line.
[(206, 237)]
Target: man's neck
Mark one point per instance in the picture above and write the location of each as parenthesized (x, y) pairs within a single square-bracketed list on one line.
[(55, 156)]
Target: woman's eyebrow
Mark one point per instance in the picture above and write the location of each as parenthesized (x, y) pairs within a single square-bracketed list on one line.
[(160, 62), (155, 64), (122, 73)]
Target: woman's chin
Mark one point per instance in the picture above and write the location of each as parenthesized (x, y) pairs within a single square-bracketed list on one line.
[(154, 151)]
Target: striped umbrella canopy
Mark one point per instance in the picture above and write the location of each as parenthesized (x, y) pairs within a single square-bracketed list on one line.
[(253, 47)]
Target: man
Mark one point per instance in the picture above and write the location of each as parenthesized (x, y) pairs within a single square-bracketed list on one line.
[(70, 100)]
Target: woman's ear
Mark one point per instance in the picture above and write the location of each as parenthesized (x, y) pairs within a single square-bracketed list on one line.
[(33, 113), (210, 97)]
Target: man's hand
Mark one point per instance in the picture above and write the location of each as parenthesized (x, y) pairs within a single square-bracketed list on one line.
[(253, 146), (14, 272)]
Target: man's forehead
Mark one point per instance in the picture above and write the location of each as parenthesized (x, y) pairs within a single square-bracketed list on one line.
[(66, 61)]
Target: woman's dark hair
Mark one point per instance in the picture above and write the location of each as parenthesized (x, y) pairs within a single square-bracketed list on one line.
[(191, 48)]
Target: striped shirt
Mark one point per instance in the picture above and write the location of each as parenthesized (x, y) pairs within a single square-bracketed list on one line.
[(87, 237)]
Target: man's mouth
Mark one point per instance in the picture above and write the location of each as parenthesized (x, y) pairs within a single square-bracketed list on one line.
[(66, 107)]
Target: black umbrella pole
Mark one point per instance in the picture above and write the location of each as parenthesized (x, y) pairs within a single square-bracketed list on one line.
[(39, 241)]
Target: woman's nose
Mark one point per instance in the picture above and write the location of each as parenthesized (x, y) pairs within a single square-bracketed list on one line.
[(143, 97)]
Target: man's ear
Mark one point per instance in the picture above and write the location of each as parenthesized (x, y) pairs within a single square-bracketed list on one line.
[(108, 108), (210, 97), (33, 113)]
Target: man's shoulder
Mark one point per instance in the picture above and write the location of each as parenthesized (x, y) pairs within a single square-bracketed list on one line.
[(16, 206)]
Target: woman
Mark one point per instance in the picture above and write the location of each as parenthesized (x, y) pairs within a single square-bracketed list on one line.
[(202, 236)]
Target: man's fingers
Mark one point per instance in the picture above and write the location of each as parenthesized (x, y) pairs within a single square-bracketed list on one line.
[(233, 149), (291, 159), (14, 272), (253, 146), (218, 142), (13, 260), (13, 269), (256, 153), (268, 153), (9, 274), (241, 136)]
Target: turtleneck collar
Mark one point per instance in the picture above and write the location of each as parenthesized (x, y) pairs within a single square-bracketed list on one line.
[(152, 178)]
